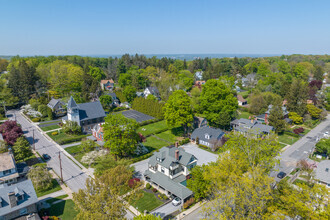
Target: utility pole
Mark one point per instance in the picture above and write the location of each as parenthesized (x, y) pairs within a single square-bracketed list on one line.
[(59, 157)]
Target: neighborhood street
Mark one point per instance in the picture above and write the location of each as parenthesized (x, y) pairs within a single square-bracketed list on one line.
[(73, 176), (301, 149)]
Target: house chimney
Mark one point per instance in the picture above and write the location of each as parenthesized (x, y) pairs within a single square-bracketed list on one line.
[(177, 154), (12, 199)]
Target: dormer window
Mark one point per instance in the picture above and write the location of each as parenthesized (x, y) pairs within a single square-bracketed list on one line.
[(207, 136)]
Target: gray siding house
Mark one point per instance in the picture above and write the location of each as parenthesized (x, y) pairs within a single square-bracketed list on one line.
[(168, 171), (207, 136), (57, 106), (87, 115), (254, 127), (8, 170), (17, 200)]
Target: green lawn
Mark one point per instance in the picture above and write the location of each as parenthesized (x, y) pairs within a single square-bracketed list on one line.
[(283, 145), (168, 136), (244, 93), (153, 143), (245, 115), (287, 139), (50, 201), (49, 122), (65, 137), (77, 152), (152, 128), (51, 127), (64, 210), (74, 149), (148, 202), (56, 187)]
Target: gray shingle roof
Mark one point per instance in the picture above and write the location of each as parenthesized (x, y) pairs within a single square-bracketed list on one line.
[(153, 90), (167, 154), (168, 184), (113, 96), (53, 102), (23, 188), (214, 133), (72, 103), (321, 172), (90, 110)]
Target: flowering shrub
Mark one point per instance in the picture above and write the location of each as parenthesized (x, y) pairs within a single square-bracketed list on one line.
[(54, 133), (133, 182), (90, 157), (298, 130)]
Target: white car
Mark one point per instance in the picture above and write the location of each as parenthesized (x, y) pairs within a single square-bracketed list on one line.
[(176, 201)]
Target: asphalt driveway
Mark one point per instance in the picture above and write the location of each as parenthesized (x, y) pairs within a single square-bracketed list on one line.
[(140, 167), (203, 156)]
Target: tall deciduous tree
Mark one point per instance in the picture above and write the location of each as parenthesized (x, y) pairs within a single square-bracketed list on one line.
[(40, 178), (21, 149), (106, 101), (276, 118), (120, 134), (178, 111), (216, 98), (297, 96), (129, 93), (101, 200)]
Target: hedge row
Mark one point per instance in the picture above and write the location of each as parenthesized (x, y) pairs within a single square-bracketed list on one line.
[(149, 121), (149, 107), (291, 134)]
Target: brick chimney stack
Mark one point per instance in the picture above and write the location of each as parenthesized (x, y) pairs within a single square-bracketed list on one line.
[(12, 199), (177, 154)]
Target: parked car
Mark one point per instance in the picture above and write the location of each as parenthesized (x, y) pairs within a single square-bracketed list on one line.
[(176, 201), (46, 156), (281, 175)]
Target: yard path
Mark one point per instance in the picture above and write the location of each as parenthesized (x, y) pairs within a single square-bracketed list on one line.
[(52, 195)]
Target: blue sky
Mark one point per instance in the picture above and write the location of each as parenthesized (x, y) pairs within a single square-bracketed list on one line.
[(98, 27)]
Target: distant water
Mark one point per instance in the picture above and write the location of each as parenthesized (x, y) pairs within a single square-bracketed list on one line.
[(195, 56), (172, 56)]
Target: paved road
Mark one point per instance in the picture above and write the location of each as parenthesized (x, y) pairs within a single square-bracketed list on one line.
[(73, 176), (197, 214), (301, 149)]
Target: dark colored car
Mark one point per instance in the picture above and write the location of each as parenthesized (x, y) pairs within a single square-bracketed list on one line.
[(46, 156), (281, 175)]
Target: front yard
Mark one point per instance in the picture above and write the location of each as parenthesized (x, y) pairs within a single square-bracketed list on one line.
[(148, 202), (77, 152), (287, 139), (56, 187), (64, 210), (51, 127), (62, 138)]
